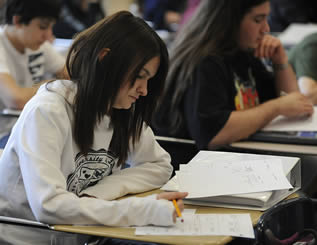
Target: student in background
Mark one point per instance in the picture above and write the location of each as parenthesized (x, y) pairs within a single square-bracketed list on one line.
[(76, 16), (303, 58), (66, 154), (25, 54), (218, 90), (164, 14)]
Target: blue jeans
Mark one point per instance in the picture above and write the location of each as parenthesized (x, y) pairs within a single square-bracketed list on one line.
[(3, 141)]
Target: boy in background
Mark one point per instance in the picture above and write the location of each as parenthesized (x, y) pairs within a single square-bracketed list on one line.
[(25, 54)]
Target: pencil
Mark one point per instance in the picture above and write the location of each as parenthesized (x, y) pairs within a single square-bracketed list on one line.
[(178, 212)]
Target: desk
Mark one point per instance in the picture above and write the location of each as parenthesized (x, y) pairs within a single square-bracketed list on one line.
[(275, 147), (128, 233)]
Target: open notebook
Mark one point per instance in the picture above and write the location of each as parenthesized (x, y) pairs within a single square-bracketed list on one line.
[(256, 200)]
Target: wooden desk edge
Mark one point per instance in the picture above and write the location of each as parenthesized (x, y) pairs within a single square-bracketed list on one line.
[(128, 233)]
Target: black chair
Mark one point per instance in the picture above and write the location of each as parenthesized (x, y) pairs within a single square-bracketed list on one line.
[(181, 150), (287, 222)]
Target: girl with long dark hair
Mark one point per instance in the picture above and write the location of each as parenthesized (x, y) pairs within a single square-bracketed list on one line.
[(218, 89), (66, 157)]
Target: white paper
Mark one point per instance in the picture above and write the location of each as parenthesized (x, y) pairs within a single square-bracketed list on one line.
[(284, 124), (206, 157), (232, 177), (296, 32), (238, 225)]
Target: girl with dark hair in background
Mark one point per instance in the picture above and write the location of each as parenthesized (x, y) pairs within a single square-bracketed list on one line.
[(66, 155), (218, 90)]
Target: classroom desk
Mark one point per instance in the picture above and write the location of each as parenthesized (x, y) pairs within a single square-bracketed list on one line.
[(128, 233), (274, 147)]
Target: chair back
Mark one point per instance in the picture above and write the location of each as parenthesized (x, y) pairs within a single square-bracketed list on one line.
[(181, 150), (288, 222)]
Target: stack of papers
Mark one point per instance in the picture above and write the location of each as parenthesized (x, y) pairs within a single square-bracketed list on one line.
[(234, 180), (217, 178)]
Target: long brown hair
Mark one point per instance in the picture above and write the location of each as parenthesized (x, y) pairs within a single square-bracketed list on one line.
[(132, 43), (212, 31)]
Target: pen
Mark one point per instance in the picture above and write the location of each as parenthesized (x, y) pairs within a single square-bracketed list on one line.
[(178, 212)]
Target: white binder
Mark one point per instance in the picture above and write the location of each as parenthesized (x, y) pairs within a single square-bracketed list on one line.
[(254, 201)]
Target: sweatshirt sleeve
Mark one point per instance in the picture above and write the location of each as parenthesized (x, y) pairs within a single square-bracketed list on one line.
[(150, 168), (41, 135)]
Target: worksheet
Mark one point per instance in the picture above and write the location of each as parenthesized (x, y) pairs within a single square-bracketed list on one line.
[(238, 225)]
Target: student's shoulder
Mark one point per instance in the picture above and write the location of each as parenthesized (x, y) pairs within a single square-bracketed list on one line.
[(213, 60), (214, 65), (50, 100), (306, 48), (48, 110), (308, 42)]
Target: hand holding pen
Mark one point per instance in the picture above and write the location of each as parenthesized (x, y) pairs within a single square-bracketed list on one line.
[(176, 197)]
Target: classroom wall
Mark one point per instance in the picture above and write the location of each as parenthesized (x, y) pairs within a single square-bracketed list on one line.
[(112, 6)]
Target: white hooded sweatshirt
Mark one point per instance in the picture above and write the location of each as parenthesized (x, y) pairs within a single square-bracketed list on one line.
[(42, 172)]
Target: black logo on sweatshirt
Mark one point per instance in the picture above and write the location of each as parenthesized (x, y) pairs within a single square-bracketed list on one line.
[(90, 169)]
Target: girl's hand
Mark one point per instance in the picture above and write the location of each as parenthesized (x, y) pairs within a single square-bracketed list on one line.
[(295, 105), (271, 48), (178, 196)]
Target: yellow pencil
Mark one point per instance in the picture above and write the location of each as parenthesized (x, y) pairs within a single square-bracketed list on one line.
[(178, 212)]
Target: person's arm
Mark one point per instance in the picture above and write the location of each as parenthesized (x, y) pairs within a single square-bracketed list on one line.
[(271, 48), (308, 86), (242, 124), (54, 61), (12, 95), (42, 135), (150, 168), (303, 59)]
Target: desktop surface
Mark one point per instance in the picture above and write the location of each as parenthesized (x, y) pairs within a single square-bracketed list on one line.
[(129, 233), (291, 137)]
